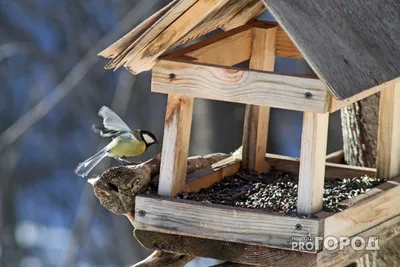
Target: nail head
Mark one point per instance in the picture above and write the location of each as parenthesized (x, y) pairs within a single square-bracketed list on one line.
[(308, 95), (142, 213)]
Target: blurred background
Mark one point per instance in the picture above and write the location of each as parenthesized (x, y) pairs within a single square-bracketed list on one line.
[(52, 84)]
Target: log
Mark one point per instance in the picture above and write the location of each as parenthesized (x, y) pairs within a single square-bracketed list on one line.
[(224, 250), (117, 187)]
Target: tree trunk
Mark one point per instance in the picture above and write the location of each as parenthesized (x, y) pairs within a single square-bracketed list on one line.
[(360, 129)]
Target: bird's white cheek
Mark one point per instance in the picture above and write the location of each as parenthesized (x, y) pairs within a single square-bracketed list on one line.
[(148, 139)]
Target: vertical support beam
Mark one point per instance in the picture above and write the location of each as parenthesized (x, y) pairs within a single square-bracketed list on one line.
[(255, 131), (388, 149), (178, 122), (312, 162)]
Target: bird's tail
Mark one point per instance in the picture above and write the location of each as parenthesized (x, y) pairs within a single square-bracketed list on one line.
[(85, 167)]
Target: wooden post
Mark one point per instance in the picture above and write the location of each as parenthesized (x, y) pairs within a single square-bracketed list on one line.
[(388, 147), (312, 162), (178, 122), (255, 131)]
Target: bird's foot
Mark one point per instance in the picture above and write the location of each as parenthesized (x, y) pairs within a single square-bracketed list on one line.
[(124, 161)]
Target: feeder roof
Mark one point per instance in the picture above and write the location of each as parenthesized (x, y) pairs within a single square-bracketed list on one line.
[(351, 45)]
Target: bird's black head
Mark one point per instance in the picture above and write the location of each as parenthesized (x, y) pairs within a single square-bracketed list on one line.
[(149, 138)]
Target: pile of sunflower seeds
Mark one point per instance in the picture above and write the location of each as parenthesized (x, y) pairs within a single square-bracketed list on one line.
[(277, 191)]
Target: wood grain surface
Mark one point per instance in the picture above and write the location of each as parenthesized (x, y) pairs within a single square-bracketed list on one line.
[(223, 250), (222, 222), (388, 149), (240, 86), (312, 159), (175, 149), (256, 120), (352, 45)]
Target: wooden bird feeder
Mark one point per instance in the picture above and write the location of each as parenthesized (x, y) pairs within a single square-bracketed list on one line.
[(354, 53)]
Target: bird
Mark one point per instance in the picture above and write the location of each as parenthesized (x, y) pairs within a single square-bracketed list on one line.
[(125, 142)]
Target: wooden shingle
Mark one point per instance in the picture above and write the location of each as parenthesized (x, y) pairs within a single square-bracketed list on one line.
[(352, 45)]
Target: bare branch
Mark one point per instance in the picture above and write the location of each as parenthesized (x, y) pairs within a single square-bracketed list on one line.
[(17, 129)]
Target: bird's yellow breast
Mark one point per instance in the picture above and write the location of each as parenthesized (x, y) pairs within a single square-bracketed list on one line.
[(127, 148)]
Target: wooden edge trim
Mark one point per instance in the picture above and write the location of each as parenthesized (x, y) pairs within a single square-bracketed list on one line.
[(371, 210), (342, 257), (339, 104), (332, 170), (205, 220), (277, 215), (206, 177)]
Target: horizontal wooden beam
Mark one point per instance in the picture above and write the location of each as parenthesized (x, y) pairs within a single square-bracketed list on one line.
[(339, 104), (223, 250), (176, 216), (332, 170), (240, 86), (367, 213)]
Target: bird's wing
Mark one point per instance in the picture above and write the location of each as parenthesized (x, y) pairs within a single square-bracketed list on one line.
[(112, 121)]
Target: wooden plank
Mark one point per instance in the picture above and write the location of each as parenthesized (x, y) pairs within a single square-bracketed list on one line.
[(221, 222), (226, 49), (312, 162), (361, 31), (371, 192), (260, 255), (255, 129), (338, 104), (336, 157), (144, 57), (285, 46), (223, 250), (178, 122), (209, 176), (160, 22), (332, 170), (215, 20), (342, 257), (251, 11), (240, 86), (139, 31), (263, 48), (365, 214), (388, 150), (255, 134)]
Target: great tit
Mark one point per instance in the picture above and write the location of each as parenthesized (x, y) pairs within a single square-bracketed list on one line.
[(125, 143)]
